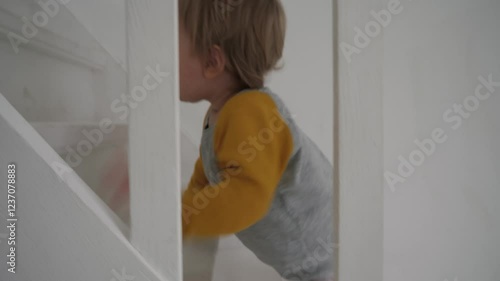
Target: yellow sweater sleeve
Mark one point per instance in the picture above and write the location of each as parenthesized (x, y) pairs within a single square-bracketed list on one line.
[(252, 145), (198, 179)]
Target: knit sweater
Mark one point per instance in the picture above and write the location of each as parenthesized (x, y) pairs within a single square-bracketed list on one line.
[(261, 178)]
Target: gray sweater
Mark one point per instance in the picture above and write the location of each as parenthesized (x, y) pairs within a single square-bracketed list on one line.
[(296, 236)]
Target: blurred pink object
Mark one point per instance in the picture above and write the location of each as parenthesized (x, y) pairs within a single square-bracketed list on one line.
[(114, 183)]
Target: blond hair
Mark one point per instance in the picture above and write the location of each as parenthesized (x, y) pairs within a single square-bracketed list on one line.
[(251, 34)]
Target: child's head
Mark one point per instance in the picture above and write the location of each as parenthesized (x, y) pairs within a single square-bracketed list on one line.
[(228, 45)]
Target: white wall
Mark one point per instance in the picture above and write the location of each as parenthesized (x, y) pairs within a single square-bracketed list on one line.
[(305, 84), (443, 222)]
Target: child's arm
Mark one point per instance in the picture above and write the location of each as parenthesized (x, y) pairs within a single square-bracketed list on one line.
[(198, 179), (253, 145)]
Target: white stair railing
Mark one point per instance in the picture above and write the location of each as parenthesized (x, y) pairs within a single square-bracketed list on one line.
[(154, 134), (64, 231)]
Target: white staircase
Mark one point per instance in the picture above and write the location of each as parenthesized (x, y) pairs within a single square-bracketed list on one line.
[(64, 230), (93, 85)]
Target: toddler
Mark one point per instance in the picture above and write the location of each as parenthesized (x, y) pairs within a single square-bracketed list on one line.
[(258, 175)]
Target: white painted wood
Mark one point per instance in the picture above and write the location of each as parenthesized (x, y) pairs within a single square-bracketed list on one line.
[(359, 140), (62, 73), (155, 135), (105, 20), (104, 169), (336, 135), (61, 134), (65, 232), (47, 41), (442, 222), (199, 255)]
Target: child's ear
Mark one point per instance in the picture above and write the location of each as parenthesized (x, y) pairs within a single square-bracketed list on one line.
[(215, 62)]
